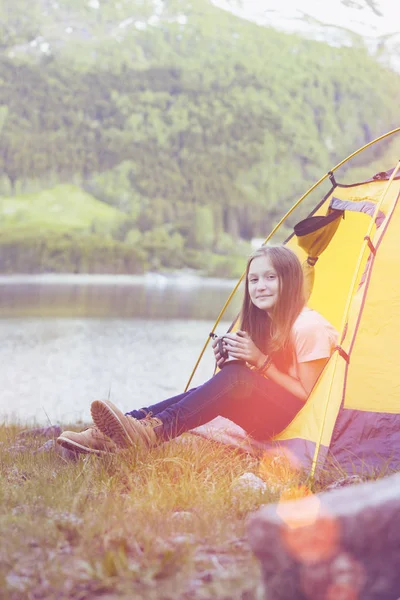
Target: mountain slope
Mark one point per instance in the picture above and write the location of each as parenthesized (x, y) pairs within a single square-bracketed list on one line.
[(198, 126)]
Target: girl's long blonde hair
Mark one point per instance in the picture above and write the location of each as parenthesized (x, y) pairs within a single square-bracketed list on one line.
[(272, 333)]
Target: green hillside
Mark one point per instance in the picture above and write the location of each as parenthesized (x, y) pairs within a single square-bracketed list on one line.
[(63, 208), (197, 127)]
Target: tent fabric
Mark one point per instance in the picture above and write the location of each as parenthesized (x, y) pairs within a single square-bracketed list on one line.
[(365, 207), (370, 419), (367, 382), (352, 416)]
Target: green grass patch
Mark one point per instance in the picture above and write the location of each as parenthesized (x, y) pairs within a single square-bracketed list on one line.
[(64, 208), (165, 523)]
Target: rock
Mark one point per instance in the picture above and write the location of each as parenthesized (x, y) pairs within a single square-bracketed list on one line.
[(51, 432), (183, 540), (248, 482), (339, 483), (247, 492), (47, 446), (52, 446), (339, 545), (182, 516), (17, 449)]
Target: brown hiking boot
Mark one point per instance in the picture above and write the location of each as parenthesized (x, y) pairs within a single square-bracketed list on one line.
[(90, 441), (124, 430)]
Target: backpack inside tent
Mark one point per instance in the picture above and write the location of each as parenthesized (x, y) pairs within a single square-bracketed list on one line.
[(350, 249)]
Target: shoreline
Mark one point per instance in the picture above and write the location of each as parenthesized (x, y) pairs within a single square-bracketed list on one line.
[(150, 278)]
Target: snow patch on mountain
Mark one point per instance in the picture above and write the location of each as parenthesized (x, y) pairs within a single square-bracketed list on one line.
[(364, 17), (337, 22)]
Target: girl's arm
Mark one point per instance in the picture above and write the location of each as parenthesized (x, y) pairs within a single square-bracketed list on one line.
[(241, 346), (308, 375)]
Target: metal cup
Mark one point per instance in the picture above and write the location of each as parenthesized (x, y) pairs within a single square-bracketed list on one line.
[(225, 354)]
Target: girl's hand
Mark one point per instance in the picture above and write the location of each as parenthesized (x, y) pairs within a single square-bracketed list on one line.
[(241, 346), (219, 359)]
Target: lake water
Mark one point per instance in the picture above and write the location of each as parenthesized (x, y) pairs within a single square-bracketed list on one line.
[(67, 340)]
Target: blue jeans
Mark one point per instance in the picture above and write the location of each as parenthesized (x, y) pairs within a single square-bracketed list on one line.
[(260, 406)]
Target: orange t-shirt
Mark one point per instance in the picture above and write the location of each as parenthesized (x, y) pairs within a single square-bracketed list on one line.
[(313, 338)]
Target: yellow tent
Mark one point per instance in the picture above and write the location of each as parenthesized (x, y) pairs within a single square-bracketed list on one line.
[(352, 242)]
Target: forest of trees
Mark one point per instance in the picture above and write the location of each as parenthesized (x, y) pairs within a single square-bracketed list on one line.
[(200, 145)]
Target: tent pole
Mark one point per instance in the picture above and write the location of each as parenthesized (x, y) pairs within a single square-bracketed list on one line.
[(347, 309), (275, 229)]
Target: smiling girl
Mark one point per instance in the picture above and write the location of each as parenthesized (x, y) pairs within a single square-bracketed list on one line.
[(274, 361)]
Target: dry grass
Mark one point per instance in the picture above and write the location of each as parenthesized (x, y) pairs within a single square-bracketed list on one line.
[(165, 523)]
